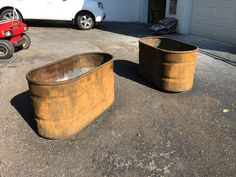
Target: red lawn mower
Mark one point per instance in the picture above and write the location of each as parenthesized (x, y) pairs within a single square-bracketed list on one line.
[(12, 35)]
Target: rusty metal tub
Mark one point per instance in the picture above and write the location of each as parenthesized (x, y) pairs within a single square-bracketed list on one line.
[(69, 94), (167, 63)]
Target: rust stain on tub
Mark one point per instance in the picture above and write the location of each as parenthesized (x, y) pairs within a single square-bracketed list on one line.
[(167, 63), (69, 94)]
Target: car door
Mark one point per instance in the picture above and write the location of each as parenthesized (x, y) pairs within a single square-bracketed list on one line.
[(63, 9), (31, 9)]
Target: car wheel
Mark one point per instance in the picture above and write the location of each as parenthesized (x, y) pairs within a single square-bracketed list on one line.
[(6, 49), (27, 43), (85, 21), (8, 14)]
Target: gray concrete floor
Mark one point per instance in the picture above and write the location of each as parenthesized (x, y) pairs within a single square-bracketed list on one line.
[(145, 133)]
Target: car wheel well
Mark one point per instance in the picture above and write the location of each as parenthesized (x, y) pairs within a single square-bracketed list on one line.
[(84, 11), (9, 7)]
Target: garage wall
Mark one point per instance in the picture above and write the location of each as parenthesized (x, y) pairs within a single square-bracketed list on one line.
[(214, 19), (126, 10)]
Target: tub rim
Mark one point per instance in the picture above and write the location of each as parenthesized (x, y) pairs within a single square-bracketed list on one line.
[(141, 40), (69, 80)]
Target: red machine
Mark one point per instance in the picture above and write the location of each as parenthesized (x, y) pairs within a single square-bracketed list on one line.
[(12, 36)]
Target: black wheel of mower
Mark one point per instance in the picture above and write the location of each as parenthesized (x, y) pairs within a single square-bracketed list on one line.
[(27, 43), (6, 49)]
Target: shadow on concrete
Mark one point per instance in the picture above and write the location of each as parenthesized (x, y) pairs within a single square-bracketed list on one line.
[(217, 50), (22, 103), (51, 24), (204, 43), (217, 57), (129, 70), (124, 28)]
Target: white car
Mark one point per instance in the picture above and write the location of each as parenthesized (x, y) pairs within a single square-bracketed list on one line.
[(84, 13)]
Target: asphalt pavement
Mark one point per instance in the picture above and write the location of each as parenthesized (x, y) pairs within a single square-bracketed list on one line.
[(146, 133)]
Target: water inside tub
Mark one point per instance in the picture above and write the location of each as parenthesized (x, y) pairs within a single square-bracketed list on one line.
[(74, 73)]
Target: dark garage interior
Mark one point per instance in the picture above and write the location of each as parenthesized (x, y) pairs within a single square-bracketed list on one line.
[(157, 10)]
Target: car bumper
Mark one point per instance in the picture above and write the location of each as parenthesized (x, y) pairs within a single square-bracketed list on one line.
[(100, 17)]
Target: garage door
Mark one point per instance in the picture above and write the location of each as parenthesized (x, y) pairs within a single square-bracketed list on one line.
[(125, 10), (214, 19)]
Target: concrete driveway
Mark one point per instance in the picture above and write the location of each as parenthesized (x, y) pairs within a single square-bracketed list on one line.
[(146, 133)]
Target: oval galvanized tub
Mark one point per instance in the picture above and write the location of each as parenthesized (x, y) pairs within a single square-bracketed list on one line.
[(69, 94), (167, 63)]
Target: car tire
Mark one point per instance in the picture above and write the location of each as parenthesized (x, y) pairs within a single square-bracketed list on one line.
[(85, 21), (27, 43), (6, 49), (8, 14)]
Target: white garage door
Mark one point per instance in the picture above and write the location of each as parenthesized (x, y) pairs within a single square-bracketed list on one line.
[(215, 19), (126, 10)]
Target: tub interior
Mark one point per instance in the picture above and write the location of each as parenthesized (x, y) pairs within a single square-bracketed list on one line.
[(168, 44), (68, 68)]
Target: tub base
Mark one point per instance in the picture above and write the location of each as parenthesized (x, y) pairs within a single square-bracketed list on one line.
[(75, 129), (166, 84)]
